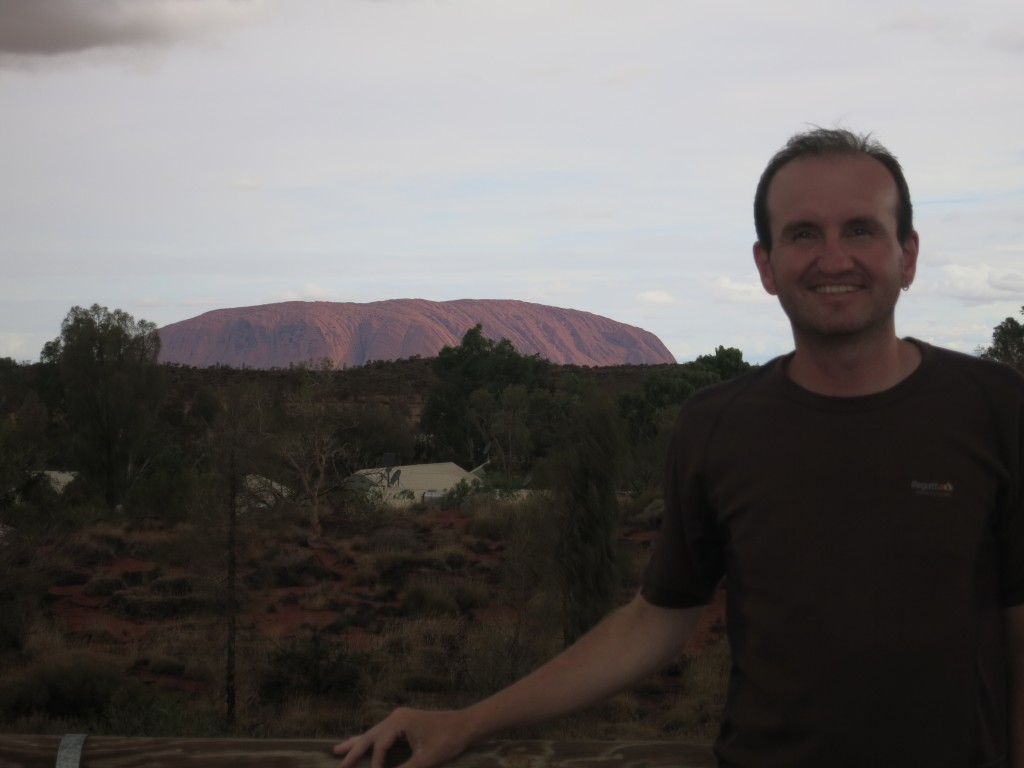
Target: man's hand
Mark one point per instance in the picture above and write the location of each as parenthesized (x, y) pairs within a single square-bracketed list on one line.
[(433, 737), (630, 643)]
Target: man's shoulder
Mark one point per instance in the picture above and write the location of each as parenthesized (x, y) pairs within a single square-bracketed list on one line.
[(972, 370), (716, 397)]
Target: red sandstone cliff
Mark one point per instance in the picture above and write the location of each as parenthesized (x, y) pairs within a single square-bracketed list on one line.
[(278, 335)]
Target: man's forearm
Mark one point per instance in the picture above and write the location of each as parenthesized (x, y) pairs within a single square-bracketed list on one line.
[(626, 646)]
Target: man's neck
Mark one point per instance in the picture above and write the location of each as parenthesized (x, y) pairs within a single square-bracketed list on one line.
[(852, 369)]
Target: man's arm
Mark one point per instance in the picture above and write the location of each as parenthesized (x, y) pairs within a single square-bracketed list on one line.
[(630, 643), (1015, 652)]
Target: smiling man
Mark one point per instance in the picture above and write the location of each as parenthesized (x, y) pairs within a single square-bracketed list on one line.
[(836, 244), (861, 497)]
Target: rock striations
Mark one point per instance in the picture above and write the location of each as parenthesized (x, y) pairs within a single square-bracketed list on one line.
[(295, 332)]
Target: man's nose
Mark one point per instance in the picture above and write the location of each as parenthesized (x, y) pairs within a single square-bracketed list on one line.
[(835, 255)]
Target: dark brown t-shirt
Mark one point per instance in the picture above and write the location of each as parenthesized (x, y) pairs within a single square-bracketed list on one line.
[(869, 546)]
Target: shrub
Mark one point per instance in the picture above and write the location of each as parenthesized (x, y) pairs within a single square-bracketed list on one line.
[(469, 596), (166, 666), (696, 711), (185, 545), (395, 539), (141, 710), (76, 687), (390, 567), (94, 546), (172, 586), (21, 589), (429, 599), (290, 570), (62, 576), (138, 577), (311, 666), (427, 682), (134, 605), (453, 556), (499, 653), (103, 585), (490, 518), (458, 493)]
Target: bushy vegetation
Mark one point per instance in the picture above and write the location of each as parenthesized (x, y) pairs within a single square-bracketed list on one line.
[(1007, 343), (415, 613), (237, 584)]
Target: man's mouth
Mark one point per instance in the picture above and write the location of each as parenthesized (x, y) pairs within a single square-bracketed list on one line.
[(834, 288)]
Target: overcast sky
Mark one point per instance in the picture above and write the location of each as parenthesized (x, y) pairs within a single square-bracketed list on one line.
[(169, 157)]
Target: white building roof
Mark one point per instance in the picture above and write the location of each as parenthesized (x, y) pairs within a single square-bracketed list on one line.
[(396, 483)]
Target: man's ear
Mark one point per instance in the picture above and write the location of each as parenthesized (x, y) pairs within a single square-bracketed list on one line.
[(910, 248), (762, 258)]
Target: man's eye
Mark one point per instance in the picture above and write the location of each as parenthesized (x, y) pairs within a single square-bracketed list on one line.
[(803, 234)]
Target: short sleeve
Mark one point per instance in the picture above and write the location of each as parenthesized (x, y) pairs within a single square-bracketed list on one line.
[(1010, 533), (686, 562)]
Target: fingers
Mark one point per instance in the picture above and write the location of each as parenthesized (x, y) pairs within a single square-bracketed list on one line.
[(357, 746), (433, 737)]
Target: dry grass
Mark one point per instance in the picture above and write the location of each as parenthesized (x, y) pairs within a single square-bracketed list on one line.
[(443, 617)]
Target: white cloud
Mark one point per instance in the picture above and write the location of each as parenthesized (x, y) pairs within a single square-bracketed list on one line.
[(573, 153), (1010, 38), (655, 297), (1012, 282), (980, 283), (308, 292), (22, 346), (727, 289)]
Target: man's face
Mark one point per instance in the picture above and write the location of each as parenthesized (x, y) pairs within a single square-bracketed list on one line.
[(836, 264)]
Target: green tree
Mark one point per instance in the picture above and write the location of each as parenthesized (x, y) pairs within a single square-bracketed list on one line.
[(235, 449), (24, 428), (111, 388), (377, 431), (588, 495), (1007, 343), (477, 363), (22, 444), (727, 363), (313, 443), (502, 421)]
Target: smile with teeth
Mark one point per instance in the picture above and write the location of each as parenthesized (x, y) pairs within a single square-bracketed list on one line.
[(834, 288)]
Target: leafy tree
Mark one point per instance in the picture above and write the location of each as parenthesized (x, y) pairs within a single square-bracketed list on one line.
[(235, 449), (22, 444), (650, 413), (377, 432), (111, 387), (478, 363), (587, 491), (313, 446), (727, 363), (502, 421), (1007, 343), (24, 428)]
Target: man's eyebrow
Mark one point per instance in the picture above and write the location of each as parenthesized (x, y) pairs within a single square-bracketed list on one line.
[(793, 226), (871, 221)]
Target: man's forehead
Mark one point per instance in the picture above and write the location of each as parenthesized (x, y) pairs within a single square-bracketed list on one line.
[(853, 184)]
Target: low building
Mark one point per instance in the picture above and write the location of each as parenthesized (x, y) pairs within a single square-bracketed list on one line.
[(407, 484)]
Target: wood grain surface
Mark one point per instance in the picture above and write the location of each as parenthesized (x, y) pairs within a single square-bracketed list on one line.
[(121, 752)]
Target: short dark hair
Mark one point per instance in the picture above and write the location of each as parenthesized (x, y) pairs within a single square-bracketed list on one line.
[(820, 142)]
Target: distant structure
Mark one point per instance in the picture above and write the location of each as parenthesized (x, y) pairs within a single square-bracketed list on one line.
[(405, 485), (347, 334)]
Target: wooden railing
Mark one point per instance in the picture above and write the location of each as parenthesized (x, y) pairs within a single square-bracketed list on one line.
[(121, 752)]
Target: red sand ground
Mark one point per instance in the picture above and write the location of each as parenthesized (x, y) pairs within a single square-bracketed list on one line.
[(293, 611)]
